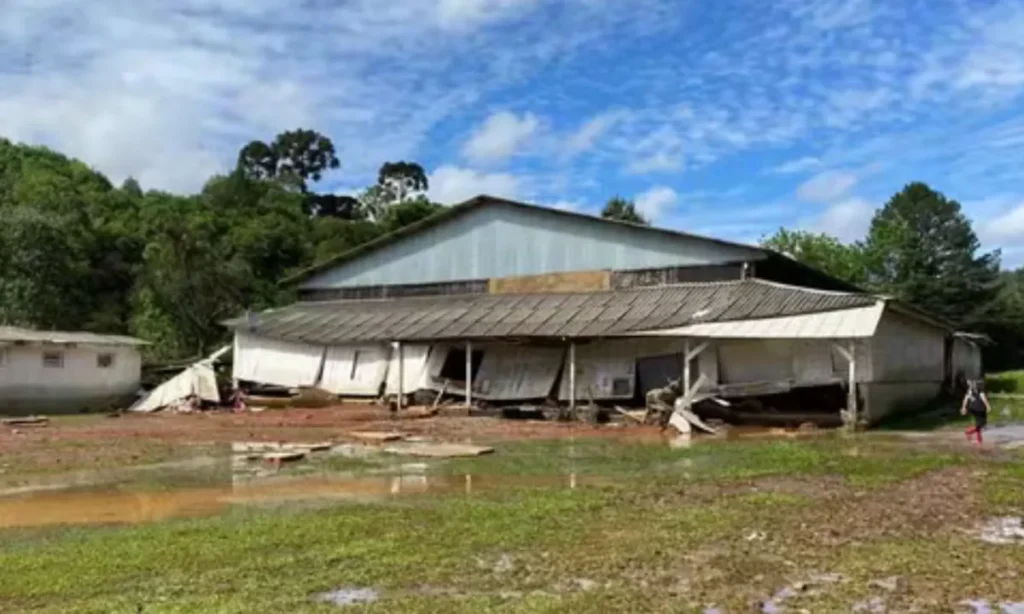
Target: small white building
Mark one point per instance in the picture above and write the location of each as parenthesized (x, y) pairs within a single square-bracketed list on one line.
[(51, 372)]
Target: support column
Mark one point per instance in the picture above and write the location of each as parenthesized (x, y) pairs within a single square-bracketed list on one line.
[(686, 367), (469, 375), (400, 350), (572, 376), (851, 400), (849, 352)]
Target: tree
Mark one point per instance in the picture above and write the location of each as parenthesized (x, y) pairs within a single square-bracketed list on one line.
[(822, 252), (402, 179), (922, 249), (408, 212), (618, 208), (295, 158)]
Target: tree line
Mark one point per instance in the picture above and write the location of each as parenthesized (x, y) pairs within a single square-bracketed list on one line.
[(79, 253), (921, 249)]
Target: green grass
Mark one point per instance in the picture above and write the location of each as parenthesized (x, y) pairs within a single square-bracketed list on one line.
[(648, 529), (1008, 381)]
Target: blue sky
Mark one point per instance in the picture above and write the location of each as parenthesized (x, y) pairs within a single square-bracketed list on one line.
[(729, 118)]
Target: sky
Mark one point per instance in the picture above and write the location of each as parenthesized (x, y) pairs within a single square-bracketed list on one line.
[(729, 118)]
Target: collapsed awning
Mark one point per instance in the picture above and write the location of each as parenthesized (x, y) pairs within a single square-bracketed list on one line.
[(559, 316)]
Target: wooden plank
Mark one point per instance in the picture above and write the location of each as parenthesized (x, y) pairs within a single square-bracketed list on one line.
[(284, 457), (26, 421), (438, 450), (377, 436)]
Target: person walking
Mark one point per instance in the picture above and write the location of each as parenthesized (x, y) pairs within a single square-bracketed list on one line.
[(977, 404)]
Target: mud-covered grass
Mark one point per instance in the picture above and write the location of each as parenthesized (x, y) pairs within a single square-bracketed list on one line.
[(647, 528)]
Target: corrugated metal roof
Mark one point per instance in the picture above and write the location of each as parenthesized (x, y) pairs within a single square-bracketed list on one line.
[(599, 314), (848, 323), (14, 334)]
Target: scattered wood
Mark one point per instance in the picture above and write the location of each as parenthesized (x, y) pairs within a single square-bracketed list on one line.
[(420, 412), (636, 415), (26, 421), (377, 436), (440, 395), (693, 419), (284, 457), (438, 450)]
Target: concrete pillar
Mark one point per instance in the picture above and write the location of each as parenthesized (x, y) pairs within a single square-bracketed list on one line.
[(851, 401)]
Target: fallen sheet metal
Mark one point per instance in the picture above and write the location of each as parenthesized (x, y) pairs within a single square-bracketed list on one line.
[(438, 450), (199, 380)]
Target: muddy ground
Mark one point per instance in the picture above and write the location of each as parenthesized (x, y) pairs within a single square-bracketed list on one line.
[(99, 441)]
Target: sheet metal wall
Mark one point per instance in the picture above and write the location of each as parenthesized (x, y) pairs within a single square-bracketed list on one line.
[(503, 241), (966, 358), (904, 350), (281, 363), (414, 371), (355, 369)]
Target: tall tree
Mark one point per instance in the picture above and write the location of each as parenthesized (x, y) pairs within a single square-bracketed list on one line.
[(922, 249), (618, 208), (402, 179), (294, 158), (821, 251)]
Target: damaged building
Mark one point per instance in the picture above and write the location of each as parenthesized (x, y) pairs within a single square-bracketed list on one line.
[(503, 302)]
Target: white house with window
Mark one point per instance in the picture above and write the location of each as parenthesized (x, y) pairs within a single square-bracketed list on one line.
[(48, 371)]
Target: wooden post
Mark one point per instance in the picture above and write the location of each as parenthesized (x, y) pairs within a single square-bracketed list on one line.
[(469, 375), (851, 401), (572, 376), (849, 352), (686, 367), (401, 372)]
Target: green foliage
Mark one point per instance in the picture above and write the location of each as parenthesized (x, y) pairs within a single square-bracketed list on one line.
[(78, 253), (618, 208), (821, 251), (294, 158), (922, 249)]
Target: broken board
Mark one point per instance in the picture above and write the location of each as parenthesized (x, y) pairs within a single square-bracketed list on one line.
[(438, 450), (679, 423), (693, 419), (26, 421), (283, 457), (377, 436)]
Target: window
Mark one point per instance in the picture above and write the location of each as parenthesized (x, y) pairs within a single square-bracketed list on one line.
[(104, 361), (53, 360)]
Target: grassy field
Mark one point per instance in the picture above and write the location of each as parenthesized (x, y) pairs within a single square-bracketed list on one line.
[(647, 528)]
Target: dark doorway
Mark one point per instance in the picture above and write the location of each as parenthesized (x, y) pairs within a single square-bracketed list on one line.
[(454, 367)]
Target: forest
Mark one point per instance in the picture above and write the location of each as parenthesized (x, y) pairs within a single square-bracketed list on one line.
[(79, 253)]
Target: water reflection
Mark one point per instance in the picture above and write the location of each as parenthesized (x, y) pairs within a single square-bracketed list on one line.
[(119, 506)]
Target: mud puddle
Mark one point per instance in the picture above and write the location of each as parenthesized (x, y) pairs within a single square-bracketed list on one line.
[(107, 505)]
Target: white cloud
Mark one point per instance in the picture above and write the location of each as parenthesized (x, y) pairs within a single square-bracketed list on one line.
[(454, 14), (588, 134), (453, 184), (500, 136), (799, 165), (827, 186), (1007, 227), (654, 202), (847, 220)]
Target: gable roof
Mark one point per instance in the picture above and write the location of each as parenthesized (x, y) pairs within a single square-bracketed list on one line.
[(566, 315), (450, 213), (18, 335)]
